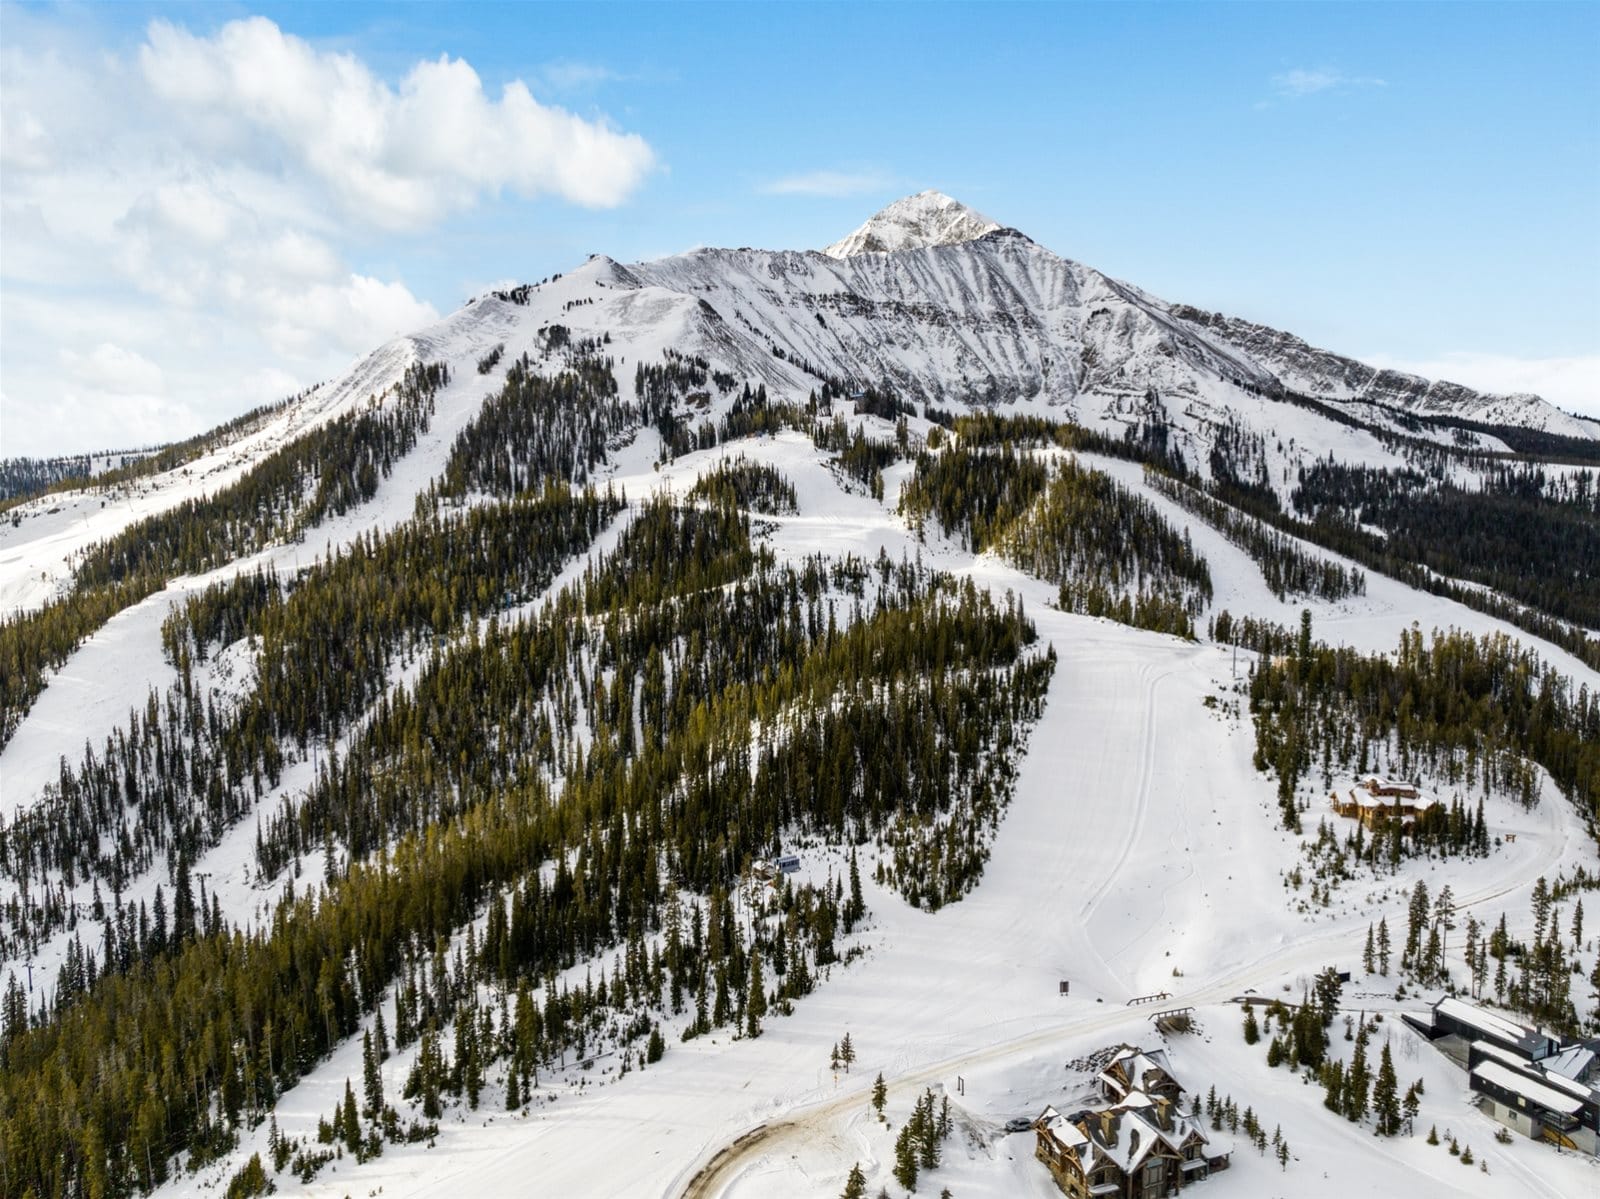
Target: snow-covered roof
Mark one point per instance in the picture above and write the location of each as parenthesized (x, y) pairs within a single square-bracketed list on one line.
[(1509, 1056), (1571, 1062), (1135, 1133), (1481, 1019), (1063, 1129), (1137, 1063), (1520, 1084), (1385, 783), (1542, 1068), (1418, 798)]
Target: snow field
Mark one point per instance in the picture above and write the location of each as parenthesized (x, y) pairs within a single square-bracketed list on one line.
[(1141, 853)]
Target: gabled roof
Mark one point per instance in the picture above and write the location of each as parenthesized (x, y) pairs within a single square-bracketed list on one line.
[(1137, 1065), (1063, 1129), (1136, 1131), (1416, 799), (1572, 1061), (1127, 1133)]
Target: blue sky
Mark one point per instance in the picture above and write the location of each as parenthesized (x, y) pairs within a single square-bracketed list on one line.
[(1416, 185)]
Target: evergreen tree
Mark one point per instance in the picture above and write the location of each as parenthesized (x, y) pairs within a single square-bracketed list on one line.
[(1333, 1085), (371, 1077), (905, 1157), (855, 1185), (1385, 1096), (1357, 1080), (351, 1120), (1412, 1103), (756, 998)]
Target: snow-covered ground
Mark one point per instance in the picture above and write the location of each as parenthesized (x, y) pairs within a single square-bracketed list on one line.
[(1141, 852)]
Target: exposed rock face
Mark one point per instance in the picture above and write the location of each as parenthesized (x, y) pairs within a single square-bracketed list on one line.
[(1326, 375)]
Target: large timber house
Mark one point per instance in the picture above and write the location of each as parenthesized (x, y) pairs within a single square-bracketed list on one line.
[(1379, 802), (1146, 1142)]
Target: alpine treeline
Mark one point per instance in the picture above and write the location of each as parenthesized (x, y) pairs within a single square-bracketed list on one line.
[(323, 473), (1110, 551), (539, 427), (1529, 533), (176, 1042), (753, 486), (1288, 570), (183, 771), (1468, 711), (1532, 584), (594, 771)]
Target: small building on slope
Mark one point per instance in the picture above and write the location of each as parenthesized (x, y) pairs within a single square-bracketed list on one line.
[(1377, 802)]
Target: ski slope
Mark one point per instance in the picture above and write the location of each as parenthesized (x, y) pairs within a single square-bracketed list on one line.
[(1141, 852)]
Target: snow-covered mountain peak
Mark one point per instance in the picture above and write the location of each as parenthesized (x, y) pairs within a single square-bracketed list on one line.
[(929, 218)]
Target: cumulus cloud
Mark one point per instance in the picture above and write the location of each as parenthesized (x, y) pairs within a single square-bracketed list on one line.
[(1308, 81), (1571, 382), (835, 184), (181, 214), (403, 156), (113, 369)]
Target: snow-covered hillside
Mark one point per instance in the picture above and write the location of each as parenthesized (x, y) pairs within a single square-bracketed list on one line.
[(927, 297), (1141, 853), (1330, 376)]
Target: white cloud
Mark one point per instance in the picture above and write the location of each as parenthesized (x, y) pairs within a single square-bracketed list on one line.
[(402, 156), (1572, 382), (837, 184), (113, 369), (181, 216), (570, 76), (357, 313), (1307, 81)]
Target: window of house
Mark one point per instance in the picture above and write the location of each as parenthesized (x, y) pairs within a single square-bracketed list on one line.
[(1155, 1180)]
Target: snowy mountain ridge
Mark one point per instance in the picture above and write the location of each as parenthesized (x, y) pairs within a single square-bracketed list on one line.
[(961, 312), (949, 307), (1141, 850), (929, 218), (1326, 375)]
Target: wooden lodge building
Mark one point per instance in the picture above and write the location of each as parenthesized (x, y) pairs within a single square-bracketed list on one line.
[(1146, 1144), (1377, 802)]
